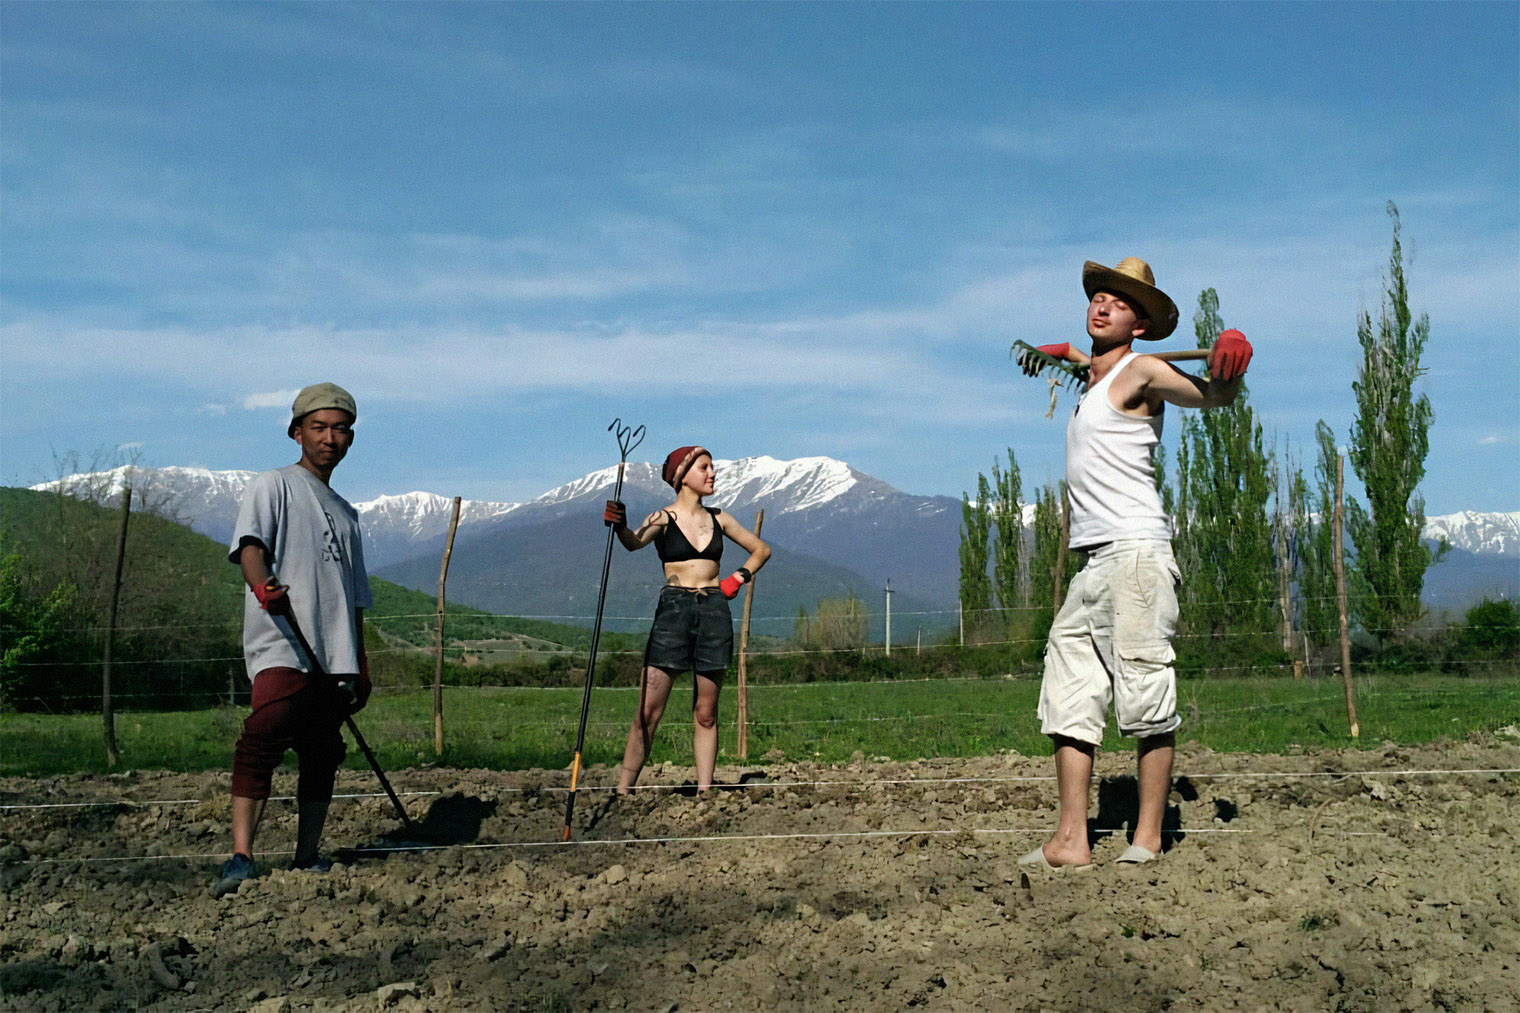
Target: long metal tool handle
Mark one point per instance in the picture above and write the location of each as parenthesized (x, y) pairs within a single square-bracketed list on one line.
[(627, 438), (317, 670)]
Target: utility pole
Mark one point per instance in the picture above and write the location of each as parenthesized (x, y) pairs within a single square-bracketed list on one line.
[(889, 617)]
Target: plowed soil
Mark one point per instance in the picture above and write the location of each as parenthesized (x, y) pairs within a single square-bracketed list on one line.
[(1381, 880)]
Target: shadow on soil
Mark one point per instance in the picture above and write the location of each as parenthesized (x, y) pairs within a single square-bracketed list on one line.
[(450, 821), (1119, 807)]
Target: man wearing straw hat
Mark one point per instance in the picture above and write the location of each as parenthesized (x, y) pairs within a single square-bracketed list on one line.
[(298, 545), (1111, 639)]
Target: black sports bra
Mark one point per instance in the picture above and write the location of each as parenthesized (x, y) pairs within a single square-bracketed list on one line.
[(674, 547)]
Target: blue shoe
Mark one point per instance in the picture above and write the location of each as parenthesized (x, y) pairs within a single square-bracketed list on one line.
[(316, 863), (236, 869)]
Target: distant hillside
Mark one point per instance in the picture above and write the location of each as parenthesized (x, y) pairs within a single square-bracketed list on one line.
[(179, 639), (552, 570), (1462, 579), (412, 616)]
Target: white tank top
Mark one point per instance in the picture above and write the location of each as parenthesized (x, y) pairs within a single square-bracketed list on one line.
[(1109, 475)]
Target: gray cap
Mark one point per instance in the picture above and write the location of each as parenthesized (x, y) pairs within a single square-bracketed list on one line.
[(319, 396)]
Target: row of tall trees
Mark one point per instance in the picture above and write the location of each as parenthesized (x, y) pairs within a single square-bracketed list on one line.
[(1026, 564), (1252, 533)]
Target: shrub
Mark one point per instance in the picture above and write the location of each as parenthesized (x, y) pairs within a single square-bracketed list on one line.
[(1493, 627)]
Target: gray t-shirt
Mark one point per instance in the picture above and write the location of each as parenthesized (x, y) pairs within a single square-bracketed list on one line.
[(313, 539)]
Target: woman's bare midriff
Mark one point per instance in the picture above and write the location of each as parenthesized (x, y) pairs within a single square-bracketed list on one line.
[(692, 573)]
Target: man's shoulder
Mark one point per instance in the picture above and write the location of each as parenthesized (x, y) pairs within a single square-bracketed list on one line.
[(274, 478)]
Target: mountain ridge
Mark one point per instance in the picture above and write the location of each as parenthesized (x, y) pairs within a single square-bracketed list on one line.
[(846, 531)]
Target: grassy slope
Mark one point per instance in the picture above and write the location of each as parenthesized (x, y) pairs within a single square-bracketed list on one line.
[(198, 561), (514, 728)]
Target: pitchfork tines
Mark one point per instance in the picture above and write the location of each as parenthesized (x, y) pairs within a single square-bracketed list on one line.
[(627, 436)]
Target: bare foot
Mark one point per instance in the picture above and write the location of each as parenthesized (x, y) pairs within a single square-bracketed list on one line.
[(1066, 853), (1055, 855)]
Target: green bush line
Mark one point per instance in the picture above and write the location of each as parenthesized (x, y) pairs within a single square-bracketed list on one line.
[(519, 728)]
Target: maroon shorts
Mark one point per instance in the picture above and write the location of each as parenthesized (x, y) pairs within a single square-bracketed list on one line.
[(291, 710)]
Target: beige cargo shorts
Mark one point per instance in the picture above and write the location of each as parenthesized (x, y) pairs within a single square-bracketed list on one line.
[(1112, 642)]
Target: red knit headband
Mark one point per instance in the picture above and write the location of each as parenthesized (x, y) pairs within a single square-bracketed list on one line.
[(678, 463)]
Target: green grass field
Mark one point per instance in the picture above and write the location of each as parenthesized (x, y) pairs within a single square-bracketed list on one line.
[(514, 728)]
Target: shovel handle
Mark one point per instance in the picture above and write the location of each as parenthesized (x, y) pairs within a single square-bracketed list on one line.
[(317, 670)]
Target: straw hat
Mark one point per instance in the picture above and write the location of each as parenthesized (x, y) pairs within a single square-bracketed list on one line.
[(1132, 279)]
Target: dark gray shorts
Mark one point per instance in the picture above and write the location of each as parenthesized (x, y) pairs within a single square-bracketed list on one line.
[(693, 631)]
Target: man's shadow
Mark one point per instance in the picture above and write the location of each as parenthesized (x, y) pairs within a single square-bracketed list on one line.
[(1119, 808), (451, 820)]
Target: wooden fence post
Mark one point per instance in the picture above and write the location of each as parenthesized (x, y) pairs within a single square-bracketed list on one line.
[(107, 714), (1340, 596), (743, 688), (443, 576), (1284, 577)]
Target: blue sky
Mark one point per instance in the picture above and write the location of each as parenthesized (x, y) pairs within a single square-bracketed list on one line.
[(784, 229)]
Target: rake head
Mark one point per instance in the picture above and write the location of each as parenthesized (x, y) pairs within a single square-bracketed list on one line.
[(1031, 360)]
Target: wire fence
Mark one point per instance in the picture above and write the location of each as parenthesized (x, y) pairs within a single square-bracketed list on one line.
[(941, 615), (1005, 642)]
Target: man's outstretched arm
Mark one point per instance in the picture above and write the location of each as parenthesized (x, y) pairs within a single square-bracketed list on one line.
[(1227, 371)]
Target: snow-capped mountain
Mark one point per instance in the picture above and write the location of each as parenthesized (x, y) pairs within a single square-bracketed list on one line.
[(833, 527), (784, 486), (207, 501), (1481, 534), (815, 506)]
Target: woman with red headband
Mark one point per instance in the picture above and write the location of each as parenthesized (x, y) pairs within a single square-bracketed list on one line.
[(693, 629)]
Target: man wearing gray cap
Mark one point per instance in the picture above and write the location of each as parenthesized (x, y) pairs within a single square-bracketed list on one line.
[(298, 545)]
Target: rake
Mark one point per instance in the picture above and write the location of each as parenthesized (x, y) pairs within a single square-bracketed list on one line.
[(1074, 374)]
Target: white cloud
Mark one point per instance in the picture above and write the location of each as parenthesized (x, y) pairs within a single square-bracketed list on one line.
[(270, 399)]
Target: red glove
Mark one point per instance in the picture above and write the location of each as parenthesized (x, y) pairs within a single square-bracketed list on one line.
[(272, 598), (615, 515), (1230, 357), (730, 585)]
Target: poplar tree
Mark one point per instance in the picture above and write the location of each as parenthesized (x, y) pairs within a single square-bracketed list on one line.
[(1224, 529), (1047, 547), (1389, 442), (1007, 516), (1316, 543), (976, 527)]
